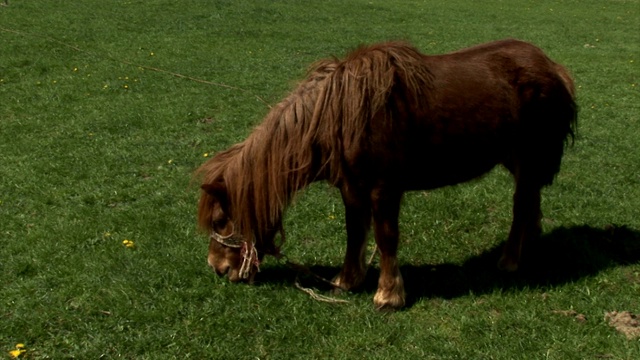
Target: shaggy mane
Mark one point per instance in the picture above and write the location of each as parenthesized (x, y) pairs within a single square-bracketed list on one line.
[(302, 138)]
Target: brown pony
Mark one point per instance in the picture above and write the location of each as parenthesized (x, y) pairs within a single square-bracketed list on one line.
[(386, 120)]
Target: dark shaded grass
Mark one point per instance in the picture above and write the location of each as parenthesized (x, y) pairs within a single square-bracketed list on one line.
[(578, 252)]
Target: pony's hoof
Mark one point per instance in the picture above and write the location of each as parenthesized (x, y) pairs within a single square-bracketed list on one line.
[(341, 285), (388, 302), (337, 291), (507, 264)]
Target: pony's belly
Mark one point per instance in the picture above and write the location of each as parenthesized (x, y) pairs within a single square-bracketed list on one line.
[(435, 174)]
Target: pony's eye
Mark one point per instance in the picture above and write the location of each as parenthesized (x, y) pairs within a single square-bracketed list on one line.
[(220, 222)]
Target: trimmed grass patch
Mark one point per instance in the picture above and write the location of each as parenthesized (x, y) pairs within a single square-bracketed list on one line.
[(99, 138)]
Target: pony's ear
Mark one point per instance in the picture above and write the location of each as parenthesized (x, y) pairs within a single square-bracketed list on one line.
[(218, 191)]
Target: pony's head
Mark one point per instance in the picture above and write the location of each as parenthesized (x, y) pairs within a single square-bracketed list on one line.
[(230, 253)]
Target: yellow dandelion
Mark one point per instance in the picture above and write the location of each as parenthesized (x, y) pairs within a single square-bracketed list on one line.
[(19, 351), (205, 154), (170, 161), (128, 243), (75, 69), (126, 87), (151, 53)]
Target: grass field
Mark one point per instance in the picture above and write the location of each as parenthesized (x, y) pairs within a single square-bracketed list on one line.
[(107, 107)]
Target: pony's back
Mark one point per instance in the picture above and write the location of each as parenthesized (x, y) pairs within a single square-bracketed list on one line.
[(390, 106)]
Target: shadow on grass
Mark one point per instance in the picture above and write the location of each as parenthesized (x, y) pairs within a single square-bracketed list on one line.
[(561, 256)]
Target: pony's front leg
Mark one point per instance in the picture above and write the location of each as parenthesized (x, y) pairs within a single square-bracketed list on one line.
[(386, 209), (358, 222), (525, 226)]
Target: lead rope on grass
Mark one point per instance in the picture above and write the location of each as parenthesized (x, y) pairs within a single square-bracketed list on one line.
[(86, 52), (316, 296), (306, 270)]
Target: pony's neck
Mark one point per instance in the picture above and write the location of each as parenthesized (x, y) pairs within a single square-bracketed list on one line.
[(276, 161)]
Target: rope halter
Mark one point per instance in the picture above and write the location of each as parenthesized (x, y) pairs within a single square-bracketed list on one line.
[(247, 251)]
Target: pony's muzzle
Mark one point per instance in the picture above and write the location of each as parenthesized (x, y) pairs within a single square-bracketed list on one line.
[(219, 268), (232, 274)]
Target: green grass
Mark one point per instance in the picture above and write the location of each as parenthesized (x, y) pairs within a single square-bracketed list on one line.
[(98, 146)]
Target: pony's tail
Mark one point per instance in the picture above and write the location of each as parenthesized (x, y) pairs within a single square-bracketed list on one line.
[(571, 108), (551, 123)]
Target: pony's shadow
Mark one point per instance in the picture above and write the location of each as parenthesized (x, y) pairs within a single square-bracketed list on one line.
[(564, 255)]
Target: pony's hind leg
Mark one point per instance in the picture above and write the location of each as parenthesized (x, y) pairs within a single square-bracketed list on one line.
[(386, 208), (358, 222), (546, 121), (526, 222)]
